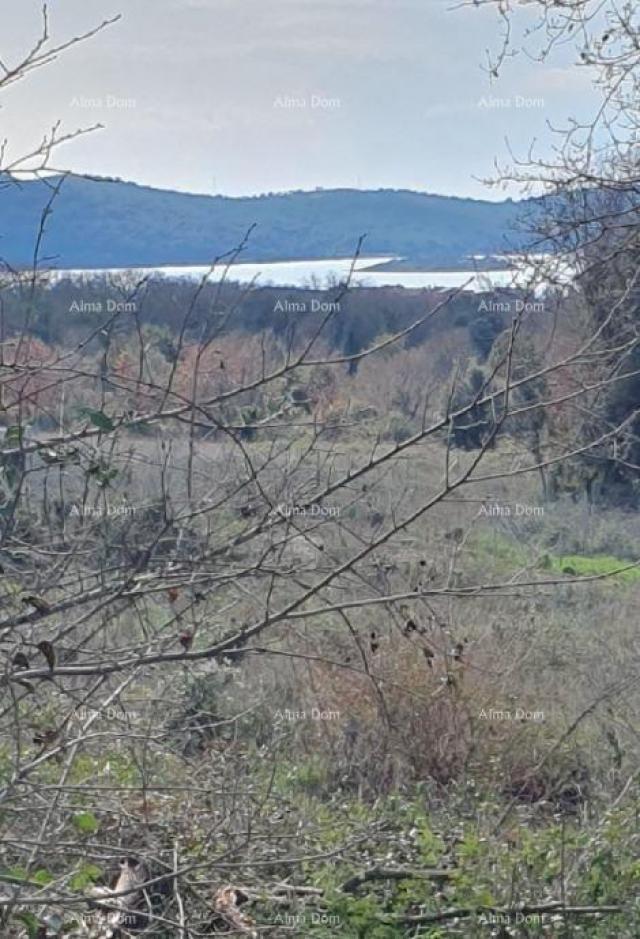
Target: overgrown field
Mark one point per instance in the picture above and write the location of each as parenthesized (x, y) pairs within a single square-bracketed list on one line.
[(442, 740)]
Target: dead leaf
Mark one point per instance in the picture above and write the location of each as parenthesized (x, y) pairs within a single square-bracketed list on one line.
[(46, 738), (20, 660), (226, 903), (37, 602), (49, 653), (429, 655)]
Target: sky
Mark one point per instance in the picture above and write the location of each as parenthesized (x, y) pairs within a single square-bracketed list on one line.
[(241, 97)]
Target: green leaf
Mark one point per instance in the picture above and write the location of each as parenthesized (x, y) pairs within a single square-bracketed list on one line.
[(103, 473), (86, 822), (13, 435), (98, 419), (70, 927), (32, 923), (42, 876), (86, 875)]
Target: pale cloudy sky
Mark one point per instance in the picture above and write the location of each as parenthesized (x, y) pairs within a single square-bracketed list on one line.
[(249, 96)]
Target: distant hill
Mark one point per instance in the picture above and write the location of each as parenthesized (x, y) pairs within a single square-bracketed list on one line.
[(110, 223)]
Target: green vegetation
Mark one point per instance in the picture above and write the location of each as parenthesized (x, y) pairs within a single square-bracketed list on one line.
[(325, 625), (576, 565), (111, 223)]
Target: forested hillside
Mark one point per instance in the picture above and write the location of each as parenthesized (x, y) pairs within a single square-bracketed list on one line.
[(110, 223)]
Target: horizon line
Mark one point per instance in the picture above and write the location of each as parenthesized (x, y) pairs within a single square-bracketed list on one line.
[(41, 176)]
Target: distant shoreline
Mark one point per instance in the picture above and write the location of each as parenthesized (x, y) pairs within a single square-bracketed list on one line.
[(486, 265), (325, 274), (373, 264)]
